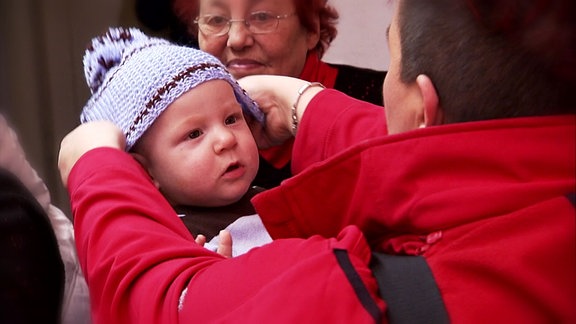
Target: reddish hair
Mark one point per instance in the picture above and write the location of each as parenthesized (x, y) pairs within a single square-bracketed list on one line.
[(308, 11)]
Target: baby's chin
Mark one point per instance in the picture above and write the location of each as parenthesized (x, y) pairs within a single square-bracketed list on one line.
[(225, 201), (217, 199), (232, 196)]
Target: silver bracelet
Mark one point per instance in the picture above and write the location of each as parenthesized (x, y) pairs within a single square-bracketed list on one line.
[(300, 92)]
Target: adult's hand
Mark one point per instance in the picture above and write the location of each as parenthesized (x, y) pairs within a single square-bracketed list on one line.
[(276, 95), (84, 138)]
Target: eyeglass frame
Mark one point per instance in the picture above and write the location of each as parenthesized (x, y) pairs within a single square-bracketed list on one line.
[(246, 22)]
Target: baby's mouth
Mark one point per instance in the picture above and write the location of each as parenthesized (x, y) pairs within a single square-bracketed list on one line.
[(232, 167)]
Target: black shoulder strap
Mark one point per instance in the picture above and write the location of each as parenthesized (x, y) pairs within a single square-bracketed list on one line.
[(408, 287), (359, 288)]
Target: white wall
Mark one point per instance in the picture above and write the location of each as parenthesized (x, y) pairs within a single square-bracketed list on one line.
[(361, 39)]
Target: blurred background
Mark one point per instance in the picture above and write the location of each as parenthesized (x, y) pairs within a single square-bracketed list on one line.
[(42, 85)]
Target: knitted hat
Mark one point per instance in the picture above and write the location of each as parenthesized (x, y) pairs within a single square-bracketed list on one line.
[(134, 78)]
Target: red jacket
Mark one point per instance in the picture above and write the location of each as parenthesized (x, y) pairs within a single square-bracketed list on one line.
[(138, 258), (484, 202)]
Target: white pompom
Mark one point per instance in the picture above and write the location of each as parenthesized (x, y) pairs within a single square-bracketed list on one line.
[(105, 53)]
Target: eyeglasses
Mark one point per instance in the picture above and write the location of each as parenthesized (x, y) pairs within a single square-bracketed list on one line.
[(260, 22)]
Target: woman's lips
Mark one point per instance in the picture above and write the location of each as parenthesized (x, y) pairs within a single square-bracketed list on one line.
[(243, 64)]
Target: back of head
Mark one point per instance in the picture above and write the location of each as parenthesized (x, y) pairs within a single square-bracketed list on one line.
[(31, 267), (492, 59), (134, 78)]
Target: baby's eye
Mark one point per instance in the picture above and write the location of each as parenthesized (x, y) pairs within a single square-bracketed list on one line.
[(195, 133), (231, 120)]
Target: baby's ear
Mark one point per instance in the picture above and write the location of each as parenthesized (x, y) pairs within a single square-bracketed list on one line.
[(144, 163)]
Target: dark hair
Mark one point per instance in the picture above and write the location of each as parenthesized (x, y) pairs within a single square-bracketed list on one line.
[(482, 71), (159, 20), (308, 11)]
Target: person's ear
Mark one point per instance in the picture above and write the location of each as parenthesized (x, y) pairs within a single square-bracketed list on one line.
[(145, 164), (313, 36), (430, 101)]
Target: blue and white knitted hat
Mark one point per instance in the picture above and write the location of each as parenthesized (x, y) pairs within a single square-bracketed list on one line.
[(134, 78)]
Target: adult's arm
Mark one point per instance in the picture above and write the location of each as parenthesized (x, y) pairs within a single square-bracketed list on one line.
[(328, 120), (332, 123), (143, 266)]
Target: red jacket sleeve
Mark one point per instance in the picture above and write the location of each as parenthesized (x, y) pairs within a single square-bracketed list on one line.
[(332, 123), (139, 258)]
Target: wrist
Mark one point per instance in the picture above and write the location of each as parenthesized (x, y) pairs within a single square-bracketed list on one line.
[(305, 93)]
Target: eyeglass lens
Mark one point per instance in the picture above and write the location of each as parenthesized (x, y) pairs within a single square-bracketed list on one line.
[(260, 22)]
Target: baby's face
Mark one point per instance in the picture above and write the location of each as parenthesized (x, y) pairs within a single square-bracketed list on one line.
[(200, 151)]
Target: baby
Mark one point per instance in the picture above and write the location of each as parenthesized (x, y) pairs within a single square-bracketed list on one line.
[(183, 116)]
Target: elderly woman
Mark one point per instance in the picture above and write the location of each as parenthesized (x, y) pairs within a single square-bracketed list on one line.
[(270, 37)]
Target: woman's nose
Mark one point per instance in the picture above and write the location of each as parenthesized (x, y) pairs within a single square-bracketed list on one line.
[(239, 36)]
